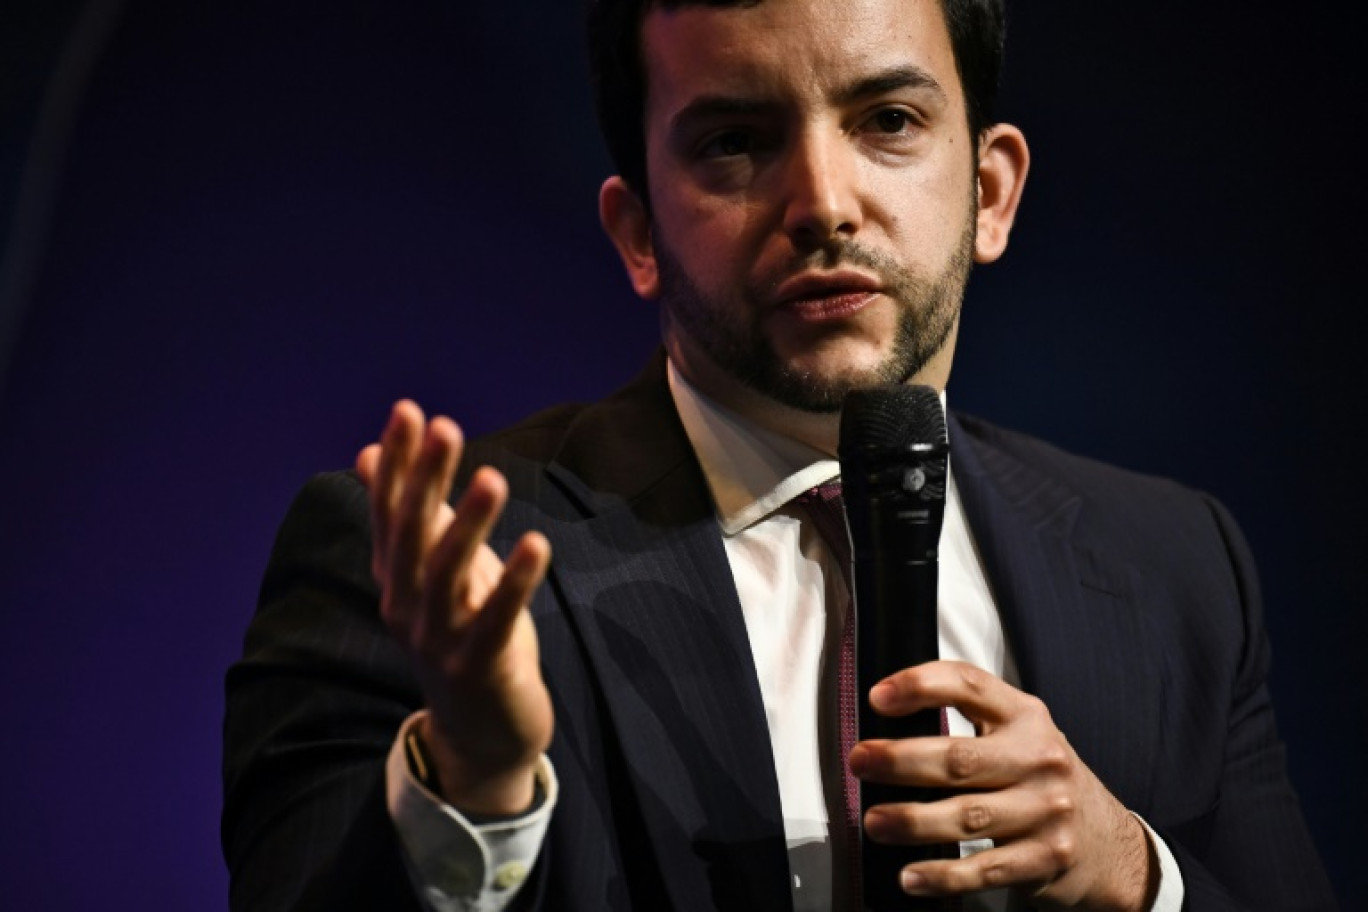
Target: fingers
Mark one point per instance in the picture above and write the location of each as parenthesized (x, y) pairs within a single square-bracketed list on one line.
[(982, 697), (1057, 830), (523, 573), (413, 526), (436, 569), (955, 763), (996, 815), (1018, 741), (1033, 864), (451, 590), (367, 463), (384, 468)]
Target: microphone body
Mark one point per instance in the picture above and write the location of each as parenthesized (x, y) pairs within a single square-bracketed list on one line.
[(894, 462)]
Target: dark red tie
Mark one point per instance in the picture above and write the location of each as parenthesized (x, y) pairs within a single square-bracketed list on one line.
[(824, 506)]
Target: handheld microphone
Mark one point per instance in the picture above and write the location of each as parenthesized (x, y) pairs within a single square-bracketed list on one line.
[(894, 461)]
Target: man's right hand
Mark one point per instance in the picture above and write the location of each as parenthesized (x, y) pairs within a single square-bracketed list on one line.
[(460, 612)]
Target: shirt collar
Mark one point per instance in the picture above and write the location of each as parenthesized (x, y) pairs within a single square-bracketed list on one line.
[(750, 471)]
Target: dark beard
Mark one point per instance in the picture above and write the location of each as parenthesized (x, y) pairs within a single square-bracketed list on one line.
[(927, 311)]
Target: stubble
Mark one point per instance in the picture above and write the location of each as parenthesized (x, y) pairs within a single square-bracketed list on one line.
[(733, 336)]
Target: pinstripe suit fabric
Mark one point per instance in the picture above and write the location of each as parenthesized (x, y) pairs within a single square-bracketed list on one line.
[(1130, 604)]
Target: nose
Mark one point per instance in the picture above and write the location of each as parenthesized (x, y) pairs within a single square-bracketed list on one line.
[(822, 202)]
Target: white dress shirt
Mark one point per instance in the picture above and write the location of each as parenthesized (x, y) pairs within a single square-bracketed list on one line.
[(786, 577)]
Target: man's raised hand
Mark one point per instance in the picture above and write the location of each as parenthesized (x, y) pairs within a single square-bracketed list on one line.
[(460, 612)]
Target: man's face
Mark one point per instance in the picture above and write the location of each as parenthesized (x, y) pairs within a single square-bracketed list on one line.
[(812, 182)]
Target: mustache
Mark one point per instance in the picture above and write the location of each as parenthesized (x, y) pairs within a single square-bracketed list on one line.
[(838, 253)]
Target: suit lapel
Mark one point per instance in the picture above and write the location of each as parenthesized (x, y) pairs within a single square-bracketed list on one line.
[(645, 582), (1070, 612)]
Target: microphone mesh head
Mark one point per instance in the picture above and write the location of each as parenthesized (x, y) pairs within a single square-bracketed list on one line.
[(890, 417)]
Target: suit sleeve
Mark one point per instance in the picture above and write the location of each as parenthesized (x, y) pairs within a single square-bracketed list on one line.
[(313, 709), (1252, 850)]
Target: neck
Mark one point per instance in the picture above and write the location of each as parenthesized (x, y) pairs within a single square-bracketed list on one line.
[(819, 430)]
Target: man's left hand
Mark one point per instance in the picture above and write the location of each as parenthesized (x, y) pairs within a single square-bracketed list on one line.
[(1059, 835)]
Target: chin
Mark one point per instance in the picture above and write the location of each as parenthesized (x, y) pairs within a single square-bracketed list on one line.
[(842, 368)]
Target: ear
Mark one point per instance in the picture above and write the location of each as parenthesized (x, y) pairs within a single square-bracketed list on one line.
[(1004, 160), (628, 226)]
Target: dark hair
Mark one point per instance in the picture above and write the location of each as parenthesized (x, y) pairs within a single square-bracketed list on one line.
[(977, 33)]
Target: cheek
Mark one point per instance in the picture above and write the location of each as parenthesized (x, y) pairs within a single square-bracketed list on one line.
[(708, 239), (922, 214)]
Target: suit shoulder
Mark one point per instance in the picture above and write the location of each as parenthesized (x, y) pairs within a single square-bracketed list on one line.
[(1158, 526), (1089, 477), (1155, 520), (522, 452), (535, 438)]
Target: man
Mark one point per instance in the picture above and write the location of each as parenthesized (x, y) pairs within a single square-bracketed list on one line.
[(647, 722)]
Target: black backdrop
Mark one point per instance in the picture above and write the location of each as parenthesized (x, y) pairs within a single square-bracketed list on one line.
[(250, 226)]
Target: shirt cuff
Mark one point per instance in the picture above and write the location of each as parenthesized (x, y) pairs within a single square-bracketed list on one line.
[(1171, 890), (458, 866)]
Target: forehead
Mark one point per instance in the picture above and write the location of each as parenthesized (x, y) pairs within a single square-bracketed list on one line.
[(789, 49)]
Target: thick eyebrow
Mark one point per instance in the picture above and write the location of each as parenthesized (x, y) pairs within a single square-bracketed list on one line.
[(890, 80), (710, 107)]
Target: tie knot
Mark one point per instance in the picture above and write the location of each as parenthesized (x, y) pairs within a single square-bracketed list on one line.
[(825, 494), (823, 503)]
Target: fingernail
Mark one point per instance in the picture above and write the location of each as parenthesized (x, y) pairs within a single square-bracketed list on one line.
[(858, 759), (882, 695), (912, 882), (875, 822)]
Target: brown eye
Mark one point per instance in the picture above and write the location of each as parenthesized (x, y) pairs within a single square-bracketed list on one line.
[(726, 145), (892, 121)]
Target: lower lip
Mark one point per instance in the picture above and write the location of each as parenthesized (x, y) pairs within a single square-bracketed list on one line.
[(834, 307)]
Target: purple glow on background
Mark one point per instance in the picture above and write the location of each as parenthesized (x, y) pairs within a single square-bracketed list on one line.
[(275, 221)]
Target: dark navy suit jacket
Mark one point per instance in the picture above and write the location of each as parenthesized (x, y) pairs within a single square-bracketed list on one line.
[(1130, 604)]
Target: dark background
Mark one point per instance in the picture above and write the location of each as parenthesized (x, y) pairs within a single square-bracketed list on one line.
[(237, 231)]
